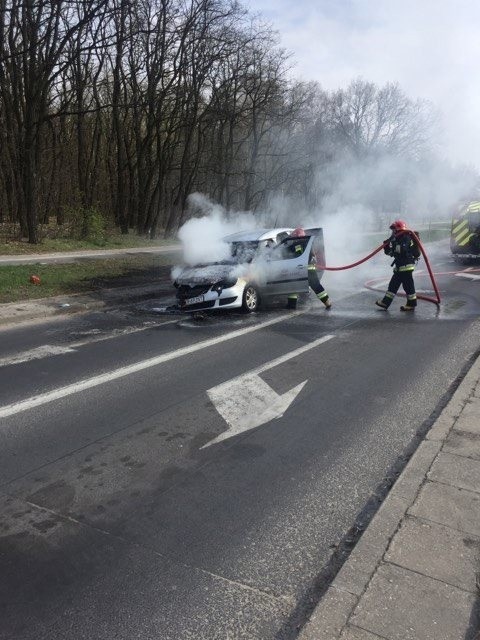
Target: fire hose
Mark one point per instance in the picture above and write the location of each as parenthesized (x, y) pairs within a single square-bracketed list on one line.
[(382, 246)]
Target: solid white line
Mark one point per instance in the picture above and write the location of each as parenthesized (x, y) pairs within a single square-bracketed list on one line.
[(288, 356), (276, 362), (82, 385)]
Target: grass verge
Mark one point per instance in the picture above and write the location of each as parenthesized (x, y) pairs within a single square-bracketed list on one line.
[(79, 277)]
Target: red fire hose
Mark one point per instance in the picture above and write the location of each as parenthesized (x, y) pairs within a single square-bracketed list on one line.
[(370, 255)]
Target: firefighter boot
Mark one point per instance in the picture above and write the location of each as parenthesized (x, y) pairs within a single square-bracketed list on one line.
[(386, 301), (325, 299), (411, 304)]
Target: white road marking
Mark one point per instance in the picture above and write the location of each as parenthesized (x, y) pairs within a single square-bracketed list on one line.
[(118, 333), (38, 353), (95, 381), (46, 350), (468, 276), (247, 401)]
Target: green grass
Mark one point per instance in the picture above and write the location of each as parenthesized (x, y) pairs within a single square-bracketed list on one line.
[(61, 279)]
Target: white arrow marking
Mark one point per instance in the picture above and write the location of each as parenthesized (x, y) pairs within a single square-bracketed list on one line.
[(249, 405), (103, 378), (468, 276), (247, 401)]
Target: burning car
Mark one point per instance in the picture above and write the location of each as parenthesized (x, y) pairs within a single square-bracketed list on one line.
[(262, 264)]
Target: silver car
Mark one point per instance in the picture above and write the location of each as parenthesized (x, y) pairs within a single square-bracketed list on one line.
[(262, 264)]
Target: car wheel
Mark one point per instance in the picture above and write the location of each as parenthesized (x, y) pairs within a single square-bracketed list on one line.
[(250, 299), (303, 298)]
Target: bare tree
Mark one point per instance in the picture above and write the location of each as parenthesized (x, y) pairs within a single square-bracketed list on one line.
[(129, 106), (35, 42), (368, 119)]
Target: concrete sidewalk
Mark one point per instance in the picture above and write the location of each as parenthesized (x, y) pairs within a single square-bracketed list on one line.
[(414, 573), (85, 254)]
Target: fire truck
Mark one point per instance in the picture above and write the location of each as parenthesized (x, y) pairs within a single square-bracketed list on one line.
[(465, 231)]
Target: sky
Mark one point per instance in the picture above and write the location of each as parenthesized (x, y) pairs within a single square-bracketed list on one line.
[(431, 48)]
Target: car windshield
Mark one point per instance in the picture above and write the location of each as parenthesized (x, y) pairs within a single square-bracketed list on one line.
[(244, 251)]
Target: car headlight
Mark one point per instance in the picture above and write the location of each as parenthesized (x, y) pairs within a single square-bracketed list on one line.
[(226, 283)]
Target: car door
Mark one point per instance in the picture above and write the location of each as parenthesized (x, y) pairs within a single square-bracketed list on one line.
[(318, 248), (286, 270)]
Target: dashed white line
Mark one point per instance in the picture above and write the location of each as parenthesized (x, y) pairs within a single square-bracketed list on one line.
[(38, 353), (46, 350), (95, 381)]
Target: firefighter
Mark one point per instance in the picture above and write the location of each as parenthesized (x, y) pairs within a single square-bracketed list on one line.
[(401, 246), (313, 279)]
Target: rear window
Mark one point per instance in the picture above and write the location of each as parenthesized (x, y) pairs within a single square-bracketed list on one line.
[(319, 250), (474, 220)]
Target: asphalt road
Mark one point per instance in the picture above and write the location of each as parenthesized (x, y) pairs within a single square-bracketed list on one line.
[(120, 517)]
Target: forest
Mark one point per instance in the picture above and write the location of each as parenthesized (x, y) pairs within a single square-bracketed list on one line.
[(115, 111)]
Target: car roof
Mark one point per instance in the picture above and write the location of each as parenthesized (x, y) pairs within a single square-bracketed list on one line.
[(256, 235)]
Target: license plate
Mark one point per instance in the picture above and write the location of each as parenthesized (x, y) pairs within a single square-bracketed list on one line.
[(195, 300)]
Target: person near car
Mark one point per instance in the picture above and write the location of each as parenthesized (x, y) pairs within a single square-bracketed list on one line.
[(313, 279), (402, 248)]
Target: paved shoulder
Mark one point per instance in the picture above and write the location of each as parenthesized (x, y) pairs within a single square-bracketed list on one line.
[(29, 310)]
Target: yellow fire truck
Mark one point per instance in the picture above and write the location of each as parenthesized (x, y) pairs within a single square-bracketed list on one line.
[(465, 231)]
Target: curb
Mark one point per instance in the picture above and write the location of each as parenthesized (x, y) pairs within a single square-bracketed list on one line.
[(334, 611)]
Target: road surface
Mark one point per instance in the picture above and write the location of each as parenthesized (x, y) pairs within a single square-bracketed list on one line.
[(170, 478)]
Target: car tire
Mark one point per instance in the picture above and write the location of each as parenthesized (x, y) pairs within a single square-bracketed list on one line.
[(250, 298)]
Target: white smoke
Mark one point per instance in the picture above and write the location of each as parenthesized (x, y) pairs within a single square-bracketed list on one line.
[(430, 48), (351, 229), (202, 235), (201, 239)]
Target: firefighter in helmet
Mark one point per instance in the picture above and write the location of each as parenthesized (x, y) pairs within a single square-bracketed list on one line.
[(313, 279), (404, 251)]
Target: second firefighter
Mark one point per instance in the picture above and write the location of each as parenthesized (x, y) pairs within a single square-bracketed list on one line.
[(405, 252), (313, 279)]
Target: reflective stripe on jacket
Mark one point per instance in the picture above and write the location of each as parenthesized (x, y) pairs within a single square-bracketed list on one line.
[(401, 249)]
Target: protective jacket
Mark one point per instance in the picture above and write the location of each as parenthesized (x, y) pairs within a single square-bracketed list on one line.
[(403, 250)]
